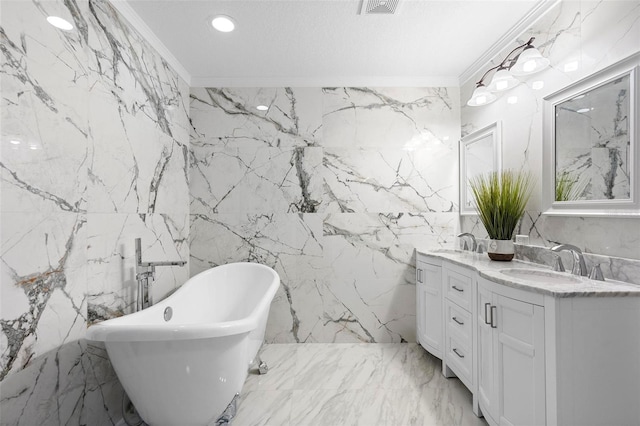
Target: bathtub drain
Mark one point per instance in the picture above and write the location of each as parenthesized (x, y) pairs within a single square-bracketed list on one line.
[(168, 313)]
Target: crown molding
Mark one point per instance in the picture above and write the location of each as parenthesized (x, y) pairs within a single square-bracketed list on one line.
[(336, 81), (536, 12), (140, 26)]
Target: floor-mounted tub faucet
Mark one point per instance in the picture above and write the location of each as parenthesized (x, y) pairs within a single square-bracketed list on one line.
[(145, 274), (579, 267)]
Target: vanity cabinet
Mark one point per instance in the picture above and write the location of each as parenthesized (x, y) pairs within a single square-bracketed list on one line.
[(459, 285), (566, 354), (510, 355), (429, 304)]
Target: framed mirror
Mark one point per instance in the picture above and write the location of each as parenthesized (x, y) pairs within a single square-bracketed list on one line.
[(479, 153), (590, 146)]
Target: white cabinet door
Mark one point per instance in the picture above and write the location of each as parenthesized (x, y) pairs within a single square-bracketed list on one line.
[(429, 307), (519, 346), (511, 358), (487, 395)]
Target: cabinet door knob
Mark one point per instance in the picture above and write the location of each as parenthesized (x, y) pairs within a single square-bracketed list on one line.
[(458, 353), (494, 315), (456, 320), (457, 289), (486, 315)]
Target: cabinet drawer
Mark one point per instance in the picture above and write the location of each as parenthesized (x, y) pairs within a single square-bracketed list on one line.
[(460, 359), (458, 288), (459, 322)]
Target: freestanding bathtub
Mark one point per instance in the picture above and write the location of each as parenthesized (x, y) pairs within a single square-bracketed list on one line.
[(186, 369)]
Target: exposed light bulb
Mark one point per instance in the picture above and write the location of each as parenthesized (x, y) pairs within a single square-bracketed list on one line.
[(481, 100), (14, 142), (262, 107), (502, 85), (529, 66)]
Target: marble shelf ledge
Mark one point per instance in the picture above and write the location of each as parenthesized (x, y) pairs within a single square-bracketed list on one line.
[(490, 270)]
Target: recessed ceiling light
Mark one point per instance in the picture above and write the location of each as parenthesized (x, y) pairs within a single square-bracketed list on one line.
[(223, 23), (262, 107), (57, 22), (14, 142)]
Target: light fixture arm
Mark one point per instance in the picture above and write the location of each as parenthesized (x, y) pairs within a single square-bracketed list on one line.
[(508, 62)]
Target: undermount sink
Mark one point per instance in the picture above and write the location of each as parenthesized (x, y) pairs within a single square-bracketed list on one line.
[(540, 276)]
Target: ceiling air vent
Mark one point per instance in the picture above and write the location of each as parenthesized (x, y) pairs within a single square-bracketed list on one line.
[(379, 7)]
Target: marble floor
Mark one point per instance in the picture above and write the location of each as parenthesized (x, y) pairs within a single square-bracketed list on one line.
[(353, 384)]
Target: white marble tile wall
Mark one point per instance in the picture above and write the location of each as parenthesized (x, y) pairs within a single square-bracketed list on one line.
[(333, 187), (101, 123), (595, 34)]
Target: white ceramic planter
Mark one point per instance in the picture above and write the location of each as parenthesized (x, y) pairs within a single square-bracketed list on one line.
[(502, 250)]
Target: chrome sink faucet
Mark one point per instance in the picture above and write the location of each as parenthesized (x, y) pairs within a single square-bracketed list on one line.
[(145, 274), (474, 245), (579, 267)]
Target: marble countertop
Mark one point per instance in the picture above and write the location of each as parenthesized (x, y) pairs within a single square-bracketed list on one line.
[(491, 270)]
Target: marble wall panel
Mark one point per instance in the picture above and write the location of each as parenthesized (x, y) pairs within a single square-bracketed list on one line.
[(381, 180), (229, 116), (255, 179), (102, 125), (371, 266), (579, 38), (383, 118), (316, 209)]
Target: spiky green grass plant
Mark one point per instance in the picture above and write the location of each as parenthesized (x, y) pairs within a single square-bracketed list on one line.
[(501, 198), (567, 188)]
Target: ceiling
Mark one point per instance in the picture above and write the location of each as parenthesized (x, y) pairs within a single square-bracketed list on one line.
[(329, 43)]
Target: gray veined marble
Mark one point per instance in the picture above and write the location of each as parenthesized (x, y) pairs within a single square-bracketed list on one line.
[(100, 131), (355, 384), (229, 116), (332, 188)]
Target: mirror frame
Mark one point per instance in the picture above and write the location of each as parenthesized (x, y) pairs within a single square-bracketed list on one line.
[(618, 208), (495, 131)]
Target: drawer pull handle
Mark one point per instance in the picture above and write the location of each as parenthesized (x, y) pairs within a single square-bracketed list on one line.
[(494, 315), (458, 353), (457, 289), (486, 315), (456, 320)]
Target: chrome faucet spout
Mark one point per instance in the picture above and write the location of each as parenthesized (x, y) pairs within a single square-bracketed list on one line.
[(146, 273), (579, 266), (474, 244)]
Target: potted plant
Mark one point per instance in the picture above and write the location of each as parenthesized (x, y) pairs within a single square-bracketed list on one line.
[(500, 199)]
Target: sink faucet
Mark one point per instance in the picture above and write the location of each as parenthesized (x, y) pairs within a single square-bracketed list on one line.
[(474, 245), (579, 267), (145, 274)]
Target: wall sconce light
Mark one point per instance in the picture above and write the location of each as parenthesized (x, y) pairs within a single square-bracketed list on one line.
[(521, 61)]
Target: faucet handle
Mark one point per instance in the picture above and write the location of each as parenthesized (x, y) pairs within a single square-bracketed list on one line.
[(557, 265), (596, 273)]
